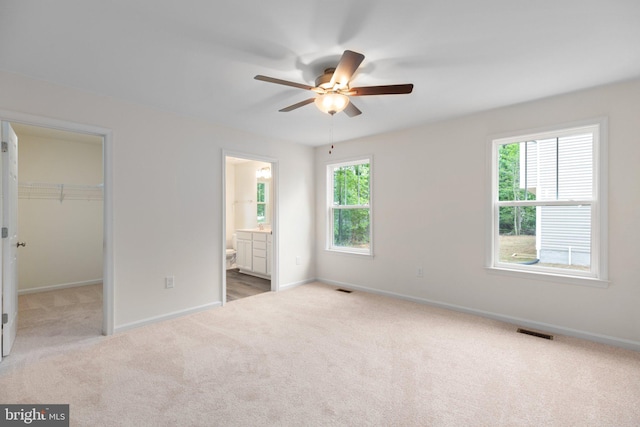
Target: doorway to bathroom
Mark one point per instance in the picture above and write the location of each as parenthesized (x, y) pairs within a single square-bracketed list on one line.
[(249, 227)]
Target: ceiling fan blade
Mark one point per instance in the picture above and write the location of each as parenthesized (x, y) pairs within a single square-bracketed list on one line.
[(298, 105), (381, 90), (348, 65), (283, 82), (352, 110)]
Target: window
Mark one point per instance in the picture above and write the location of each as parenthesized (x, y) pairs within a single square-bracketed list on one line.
[(547, 207), (349, 207), (262, 198)]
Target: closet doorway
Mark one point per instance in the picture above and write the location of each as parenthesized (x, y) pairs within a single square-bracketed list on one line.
[(60, 222), (250, 226)]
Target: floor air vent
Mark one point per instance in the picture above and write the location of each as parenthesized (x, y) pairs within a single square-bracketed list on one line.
[(535, 334), (346, 291)]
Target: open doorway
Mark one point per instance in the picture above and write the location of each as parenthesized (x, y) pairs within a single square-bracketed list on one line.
[(60, 212), (249, 227)]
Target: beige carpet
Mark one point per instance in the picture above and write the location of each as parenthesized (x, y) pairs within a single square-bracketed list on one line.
[(313, 356), (55, 322)]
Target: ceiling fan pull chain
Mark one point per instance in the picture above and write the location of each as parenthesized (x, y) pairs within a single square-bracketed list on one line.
[(331, 135)]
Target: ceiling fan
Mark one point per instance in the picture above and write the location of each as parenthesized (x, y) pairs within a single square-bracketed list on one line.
[(333, 90)]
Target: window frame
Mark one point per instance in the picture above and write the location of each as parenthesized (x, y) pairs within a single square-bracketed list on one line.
[(266, 200), (598, 274), (330, 208)]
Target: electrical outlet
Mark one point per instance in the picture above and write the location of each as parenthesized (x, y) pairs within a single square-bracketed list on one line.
[(419, 272), (168, 282), (297, 260)]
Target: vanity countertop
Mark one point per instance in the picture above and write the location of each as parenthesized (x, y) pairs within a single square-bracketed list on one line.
[(256, 230)]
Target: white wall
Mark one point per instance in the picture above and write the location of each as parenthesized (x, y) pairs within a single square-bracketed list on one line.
[(167, 196), (245, 210), (167, 207), (241, 183), (430, 210), (64, 239)]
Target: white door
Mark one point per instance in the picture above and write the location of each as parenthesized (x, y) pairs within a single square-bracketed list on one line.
[(9, 245)]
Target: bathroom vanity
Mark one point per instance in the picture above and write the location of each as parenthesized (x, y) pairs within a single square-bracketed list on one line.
[(254, 252)]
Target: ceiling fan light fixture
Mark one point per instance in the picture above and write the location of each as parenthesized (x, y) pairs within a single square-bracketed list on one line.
[(263, 173), (331, 102), (333, 88)]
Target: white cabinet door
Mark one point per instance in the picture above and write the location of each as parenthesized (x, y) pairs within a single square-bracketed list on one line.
[(269, 257), (260, 264), (254, 253), (260, 253), (244, 255)]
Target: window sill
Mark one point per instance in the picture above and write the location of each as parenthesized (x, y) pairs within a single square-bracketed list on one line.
[(359, 254), (548, 277)]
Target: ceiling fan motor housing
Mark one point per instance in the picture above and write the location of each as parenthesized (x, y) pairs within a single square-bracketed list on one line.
[(324, 80)]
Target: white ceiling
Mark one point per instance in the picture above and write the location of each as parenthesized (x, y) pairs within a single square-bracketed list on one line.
[(199, 57)]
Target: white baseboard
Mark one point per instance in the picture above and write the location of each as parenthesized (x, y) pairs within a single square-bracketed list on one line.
[(181, 313), (168, 316), (60, 286), (295, 284), (546, 327)]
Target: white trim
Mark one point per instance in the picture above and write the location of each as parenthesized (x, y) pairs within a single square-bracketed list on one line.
[(558, 131), (108, 294), (46, 122), (349, 251), (502, 203), (267, 185), (598, 274), (168, 316), (296, 284), (547, 276), (254, 274), (60, 286), (351, 161), (601, 213), (570, 332), (551, 129), (328, 246)]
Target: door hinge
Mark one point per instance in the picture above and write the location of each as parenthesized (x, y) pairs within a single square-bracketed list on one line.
[(5, 318), (5, 146), (5, 232)]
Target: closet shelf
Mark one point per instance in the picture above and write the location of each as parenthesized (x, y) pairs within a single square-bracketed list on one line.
[(39, 190)]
